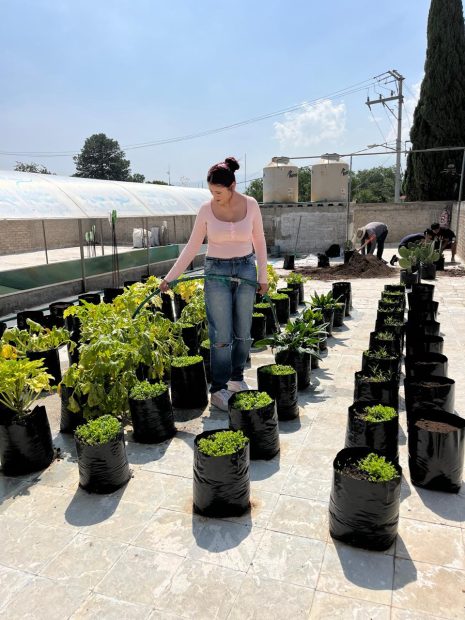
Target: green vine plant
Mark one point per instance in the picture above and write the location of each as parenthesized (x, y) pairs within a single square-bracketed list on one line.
[(38, 338)]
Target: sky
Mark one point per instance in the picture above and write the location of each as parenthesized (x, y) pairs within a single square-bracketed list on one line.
[(146, 71)]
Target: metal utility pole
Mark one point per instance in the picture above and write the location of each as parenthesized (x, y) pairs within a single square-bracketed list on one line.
[(398, 78)]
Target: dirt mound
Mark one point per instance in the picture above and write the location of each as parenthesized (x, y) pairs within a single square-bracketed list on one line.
[(358, 267), (456, 272)]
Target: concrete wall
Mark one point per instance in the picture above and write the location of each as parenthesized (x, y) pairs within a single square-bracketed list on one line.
[(321, 226), (460, 231), (27, 235)]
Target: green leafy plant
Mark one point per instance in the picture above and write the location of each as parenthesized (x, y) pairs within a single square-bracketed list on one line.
[(186, 360), (396, 288), (408, 257), (245, 401), (223, 443), (296, 336), (286, 290), (262, 305), (348, 245), (278, 369), (278, 296), (427, 254), (379, 413), (22, 382), (145, 390), (99, 431), (322, 301), (38, 338), (258, 315), (374, 374), (187, 289), (195, 311), (296, 278), (273, 278), (393, 321), (377, 468), (205, 344), (384, 335), (380, 353)]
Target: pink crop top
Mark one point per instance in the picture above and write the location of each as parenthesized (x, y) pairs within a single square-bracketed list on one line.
[(225, 239)]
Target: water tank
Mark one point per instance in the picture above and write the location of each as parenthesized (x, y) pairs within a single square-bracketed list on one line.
[(330, 180), (280, 181)]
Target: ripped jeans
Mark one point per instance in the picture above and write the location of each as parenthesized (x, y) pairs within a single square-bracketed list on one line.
[(229, 312)]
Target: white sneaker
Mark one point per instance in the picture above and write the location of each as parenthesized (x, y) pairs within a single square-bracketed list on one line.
[(238, 386), (220, 399)]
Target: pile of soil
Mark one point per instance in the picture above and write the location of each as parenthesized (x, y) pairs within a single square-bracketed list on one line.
[(359, 266), (457, 272)]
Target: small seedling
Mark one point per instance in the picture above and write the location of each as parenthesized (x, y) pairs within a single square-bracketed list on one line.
[(223, 443), (393, 321), (278, 369), (145, 390), (379, 413), (99, 431), (245, 401), (376, 375), (186, 360), (377, 468), (380, 353), (386, 336)]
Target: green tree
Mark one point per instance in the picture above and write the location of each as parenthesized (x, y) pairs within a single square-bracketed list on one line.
[(305, 184), (373, 184), (157, 182), (255, 189), (136, 178), (102, 158), (439, 118), (32, 167)]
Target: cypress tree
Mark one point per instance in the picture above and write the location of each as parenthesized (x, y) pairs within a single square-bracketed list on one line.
[(439, 118)]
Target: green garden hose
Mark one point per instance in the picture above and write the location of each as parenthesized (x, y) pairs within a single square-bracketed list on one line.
[(210, 277)]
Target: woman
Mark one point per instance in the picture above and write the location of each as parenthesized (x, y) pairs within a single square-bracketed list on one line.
[(234, 227)]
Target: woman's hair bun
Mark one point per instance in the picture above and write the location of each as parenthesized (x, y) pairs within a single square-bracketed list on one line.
[(232, 163)]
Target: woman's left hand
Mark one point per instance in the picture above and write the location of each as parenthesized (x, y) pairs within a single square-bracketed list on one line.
[(262, 288)]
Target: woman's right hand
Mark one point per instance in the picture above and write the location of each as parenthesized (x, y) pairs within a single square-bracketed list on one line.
[(164, 286)]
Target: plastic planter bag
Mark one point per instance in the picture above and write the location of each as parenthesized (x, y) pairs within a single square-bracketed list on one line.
[(103, 468), (167, 306), (436, 444), (363, 513), (282, 309), (69, 420), (283, 389), (299, 286), (258, 329), (423, 291), (328, 316), (25, 443), (221, 483), (56, 312), (51, 363), (190, 336), (383, 392), (152, 418), (293, 295), (386, 365), (259, 425), (343, 290), (426, 365), (416, 344), (430, 393), (381, 437), (339, 313), (300, 362), (189, 386), (392, 346)]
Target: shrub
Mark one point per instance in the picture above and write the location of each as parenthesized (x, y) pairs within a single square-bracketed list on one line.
[(245, 401), (99, 431), (296, 278), (278, 369), (222, 443), (377, 468), (145, 390), (379, 413), (186, 360)]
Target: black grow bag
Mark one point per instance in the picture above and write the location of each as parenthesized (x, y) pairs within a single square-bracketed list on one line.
[(409, 278), (283, 389), (3, 327), (271, 327), (25, 443), (417, 343), (103, 468), (300, 362), (90, 298), (221, 483), (190, 336), (179, 304), (110, 293), (328, 316), (363, 513), (205, 353), (167, 306), (384, 364), (299, 286), (382, 437), (427, 271), (436, 393), (51, 362), (189, 386), (383, 392), (56, 312), (426, 365), (259, 425), (152, 419), (282, 309), (293, 295), (423, 291), (339, 313), (258, 329), (344, 290), (35, 315), (393, 346), (436, 458), (427, 313), (419, 304), (395, 288), (425, 328), (69, 420)]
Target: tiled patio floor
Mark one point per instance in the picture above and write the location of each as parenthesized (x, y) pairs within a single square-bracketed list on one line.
[(141, 553)]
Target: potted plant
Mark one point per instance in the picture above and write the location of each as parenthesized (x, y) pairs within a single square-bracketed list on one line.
[(102, 461), (374, 426), (339, 313), (282, 306), (280, 382), (151, 412), (25, 436), (293, 295), (427, 255), (188, 382), (40, 343), (395, 288), (221, 474), (374, 384), (295, 346), (383, 359), (265, 308), (326, 303), (365, 499), (426, 365), (387, 339), (436, 446), (296, 281), (22, 318), (343, 292), (430, 392), (314, 320), (258, 329), (348, 251), (183, 292), (254, 413), (56, 312), (416, 345), (408, 264), (190, 336)]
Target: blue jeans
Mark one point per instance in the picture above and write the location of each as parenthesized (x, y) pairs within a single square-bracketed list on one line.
[(229, 313)]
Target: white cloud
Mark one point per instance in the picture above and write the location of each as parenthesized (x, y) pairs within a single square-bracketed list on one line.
[(312, 125)]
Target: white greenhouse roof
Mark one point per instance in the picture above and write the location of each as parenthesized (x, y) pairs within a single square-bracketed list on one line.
[(29, 196)]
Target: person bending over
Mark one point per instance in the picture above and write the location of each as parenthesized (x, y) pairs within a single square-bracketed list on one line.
[(445, 239), (233, 224), (372, 236), (424, 237)]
